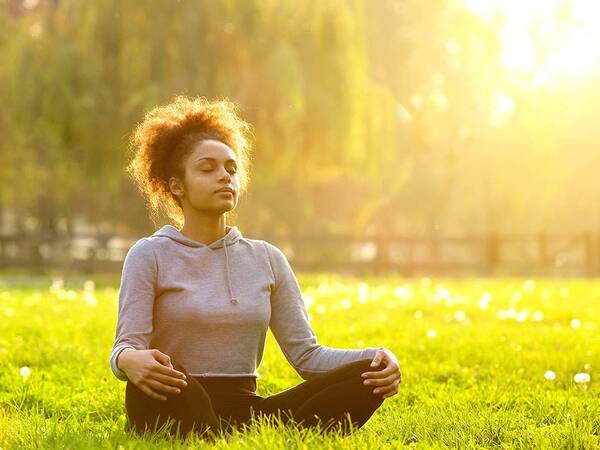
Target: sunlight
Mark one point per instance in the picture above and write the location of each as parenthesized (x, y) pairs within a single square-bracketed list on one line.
[(544, 38)]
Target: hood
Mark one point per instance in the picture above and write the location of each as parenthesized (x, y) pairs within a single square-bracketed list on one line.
[(232, 236)]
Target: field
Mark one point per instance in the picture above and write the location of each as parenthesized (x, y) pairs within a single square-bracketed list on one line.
[(485, 364)]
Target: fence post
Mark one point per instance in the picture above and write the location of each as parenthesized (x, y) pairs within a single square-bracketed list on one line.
[(590, 254), (493, 252)]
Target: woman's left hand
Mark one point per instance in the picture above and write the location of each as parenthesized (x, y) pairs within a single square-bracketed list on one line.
[(389, 378)]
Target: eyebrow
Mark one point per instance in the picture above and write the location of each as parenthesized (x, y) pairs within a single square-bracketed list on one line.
[(213, 159)]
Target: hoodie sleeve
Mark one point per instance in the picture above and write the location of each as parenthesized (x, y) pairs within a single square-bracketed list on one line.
[(136, 302), (292, 330)]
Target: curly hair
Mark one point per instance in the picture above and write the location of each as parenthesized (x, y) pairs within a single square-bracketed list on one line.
[(163, 140)]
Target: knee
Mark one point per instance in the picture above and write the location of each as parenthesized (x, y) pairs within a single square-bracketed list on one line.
[(362, 366)]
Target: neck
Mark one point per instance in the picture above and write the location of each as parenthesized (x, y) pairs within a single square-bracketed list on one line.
[(204, 228)]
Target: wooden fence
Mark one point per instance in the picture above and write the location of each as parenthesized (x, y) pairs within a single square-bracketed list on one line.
[(490, 255)]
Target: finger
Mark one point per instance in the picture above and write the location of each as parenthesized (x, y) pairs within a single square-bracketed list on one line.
[(379, 357), (390, 369), (159, 368), (382, 381), (171, 381), (386, 389), (150, 393), (161, 357), (390, 394), (158, 386)]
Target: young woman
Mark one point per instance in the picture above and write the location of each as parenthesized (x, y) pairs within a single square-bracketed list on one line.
[(195, 302)]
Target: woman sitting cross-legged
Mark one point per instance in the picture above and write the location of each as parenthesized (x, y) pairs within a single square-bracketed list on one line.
[(195, 302)]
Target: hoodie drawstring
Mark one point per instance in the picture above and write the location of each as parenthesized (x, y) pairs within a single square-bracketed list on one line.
[(233, 300)]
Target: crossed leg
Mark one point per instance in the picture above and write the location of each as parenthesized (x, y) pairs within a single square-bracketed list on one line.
[(330, 400), (334, 399), (187, 411)]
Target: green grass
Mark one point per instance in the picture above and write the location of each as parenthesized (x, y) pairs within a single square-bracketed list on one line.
[(477, 383)]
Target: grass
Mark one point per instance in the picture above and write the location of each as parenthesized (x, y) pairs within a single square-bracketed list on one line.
[(473, 353)]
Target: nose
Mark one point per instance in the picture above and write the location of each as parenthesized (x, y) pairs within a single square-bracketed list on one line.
[(225, 175)]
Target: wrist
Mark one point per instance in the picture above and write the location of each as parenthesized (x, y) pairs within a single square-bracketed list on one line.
[(122, 357)]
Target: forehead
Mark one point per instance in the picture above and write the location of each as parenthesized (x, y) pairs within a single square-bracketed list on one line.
[(211, 148)]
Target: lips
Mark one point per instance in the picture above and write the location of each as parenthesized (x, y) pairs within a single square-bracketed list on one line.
[(230, 190)]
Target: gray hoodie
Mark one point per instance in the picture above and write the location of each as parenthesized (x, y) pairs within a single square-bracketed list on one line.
[(209, 306)]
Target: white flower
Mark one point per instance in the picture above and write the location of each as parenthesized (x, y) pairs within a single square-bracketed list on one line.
[(431, 334), (522, 316), (582, 378), (538, 316), (321, 309), (89, 285), (460, 316), (484, 301), (550, 375), (575, 323), (25, 372)]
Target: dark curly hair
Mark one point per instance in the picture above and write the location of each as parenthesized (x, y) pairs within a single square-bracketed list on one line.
[(162, 141)]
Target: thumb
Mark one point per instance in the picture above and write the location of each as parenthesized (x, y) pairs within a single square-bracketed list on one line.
[(377, 359), (162, 358)]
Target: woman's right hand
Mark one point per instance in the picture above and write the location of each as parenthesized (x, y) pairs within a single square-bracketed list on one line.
[(151, 371)]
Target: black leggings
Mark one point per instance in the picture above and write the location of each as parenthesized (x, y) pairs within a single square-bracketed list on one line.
[(211, 405)]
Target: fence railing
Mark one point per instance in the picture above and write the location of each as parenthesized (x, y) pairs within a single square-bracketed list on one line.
[(489, 255)]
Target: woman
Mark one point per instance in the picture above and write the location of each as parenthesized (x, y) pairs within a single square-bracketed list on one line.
[(195, 303)]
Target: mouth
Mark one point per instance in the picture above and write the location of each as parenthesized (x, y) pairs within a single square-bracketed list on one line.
[(225, 191)]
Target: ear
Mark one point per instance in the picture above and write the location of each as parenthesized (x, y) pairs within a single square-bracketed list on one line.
[(175, 186)]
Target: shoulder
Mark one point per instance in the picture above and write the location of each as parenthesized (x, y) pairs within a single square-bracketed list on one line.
[(274, 253), (143, 248)]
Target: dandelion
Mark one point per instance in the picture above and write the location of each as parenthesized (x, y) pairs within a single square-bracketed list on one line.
[(57, 285), (460, 316), (308, 300), (564, 292), (418, 314), (582, 378), (550, 375), (575, 323), (25, 372), (529, 285), (522, 316), (431, 334), (587, 366), (443, 293), (363, 292), (89, 285), (484, 301), (506, 314), (402, 292), (90, 298), (538, 316), (346, 303), (321, 309)]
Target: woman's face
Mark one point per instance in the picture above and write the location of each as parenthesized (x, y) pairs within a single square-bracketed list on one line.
[(210, 167)]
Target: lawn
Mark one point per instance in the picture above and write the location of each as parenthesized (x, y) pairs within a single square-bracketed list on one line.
[(486, 363)]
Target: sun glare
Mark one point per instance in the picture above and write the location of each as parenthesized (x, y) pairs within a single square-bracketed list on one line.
[(545, 39)]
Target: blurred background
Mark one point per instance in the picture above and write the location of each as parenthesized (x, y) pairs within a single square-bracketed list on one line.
[(403, 136)]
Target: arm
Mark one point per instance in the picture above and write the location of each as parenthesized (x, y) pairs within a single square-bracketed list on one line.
[(292, 330), (136, 303)]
